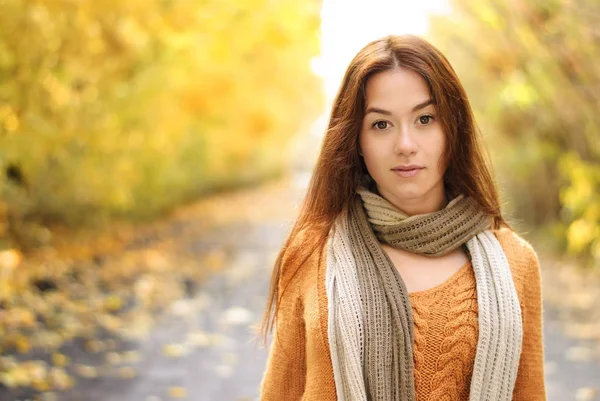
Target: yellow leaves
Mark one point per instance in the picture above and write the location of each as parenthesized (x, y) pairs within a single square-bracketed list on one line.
[(4, 225), (113, 303), (131, 33), (584, 331), (127, 372), (155, 261), (519, 92), (49, 340), (24, 374), (113, 358), (584, 177), (581, 200), (215, 260), (10, 259), (177, 392), (125, 107), (110, 322), (7, 58), (8, 119), (99, 282), (59, 93), (60, 379), (121, 198), (199, 339), (259, 123), (144, 289), (579, 353), (206, 87), (60, 360), (94, 346), (19, 317), (236, 315), (17, 341), (88, 372), (536, 62), (582, 233), (596, 250), (586, 394), (116, 358), (174, 350), (488, 15), (132, 356)]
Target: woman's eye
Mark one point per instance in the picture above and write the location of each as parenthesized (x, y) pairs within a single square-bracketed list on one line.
[(380, 124), (425, 120)]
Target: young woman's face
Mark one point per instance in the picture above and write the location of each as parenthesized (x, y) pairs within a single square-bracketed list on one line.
[(401, 128)]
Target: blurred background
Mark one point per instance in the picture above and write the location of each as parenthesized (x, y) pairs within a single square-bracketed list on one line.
[(153, 156)]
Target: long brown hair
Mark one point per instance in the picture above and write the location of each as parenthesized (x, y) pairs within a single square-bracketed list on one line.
[(339, 168)]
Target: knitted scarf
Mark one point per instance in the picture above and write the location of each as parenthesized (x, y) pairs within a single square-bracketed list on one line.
[(370, 319)]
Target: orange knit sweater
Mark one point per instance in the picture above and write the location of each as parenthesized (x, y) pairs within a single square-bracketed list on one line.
[(445, 337), (299, 365)]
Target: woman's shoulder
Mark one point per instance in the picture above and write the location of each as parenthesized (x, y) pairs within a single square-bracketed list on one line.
[(301, 259), (514, 243), (521, 255)]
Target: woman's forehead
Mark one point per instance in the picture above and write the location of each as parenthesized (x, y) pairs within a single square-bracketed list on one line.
[(396, 90)]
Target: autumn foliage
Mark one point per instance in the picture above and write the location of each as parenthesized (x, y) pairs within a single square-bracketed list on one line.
[(126, 108), (530, 68)]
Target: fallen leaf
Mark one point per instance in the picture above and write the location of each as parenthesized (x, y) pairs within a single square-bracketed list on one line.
[(578, 353), (177, 392), (89, 372), (127, 372), (585, 394), (59, 359), (174, 350), (237, 315)]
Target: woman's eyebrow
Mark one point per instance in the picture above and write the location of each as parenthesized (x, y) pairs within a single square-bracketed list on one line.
[(378, 110), (423, 105), (389, 113)]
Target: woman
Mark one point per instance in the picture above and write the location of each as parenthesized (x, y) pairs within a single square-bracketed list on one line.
[(401, 280)]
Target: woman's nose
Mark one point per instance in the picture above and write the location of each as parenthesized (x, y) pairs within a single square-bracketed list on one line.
[(404, 141)]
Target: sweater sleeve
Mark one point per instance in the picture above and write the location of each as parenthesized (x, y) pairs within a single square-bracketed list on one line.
[(285, 374), (530, 385)]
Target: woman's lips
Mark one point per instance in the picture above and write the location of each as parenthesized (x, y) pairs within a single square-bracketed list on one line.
[(408, 173)]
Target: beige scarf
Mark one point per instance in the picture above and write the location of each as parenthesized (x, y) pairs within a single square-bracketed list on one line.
[(369, 312)]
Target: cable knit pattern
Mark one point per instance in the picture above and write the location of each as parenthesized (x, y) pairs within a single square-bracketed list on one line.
[(299, 366), (421, 321), (449, 312)]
